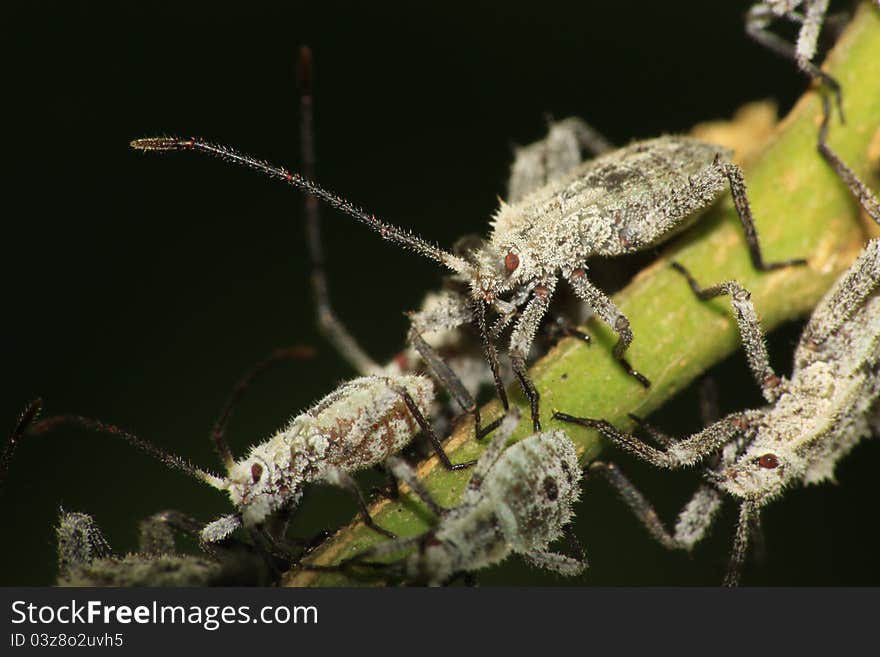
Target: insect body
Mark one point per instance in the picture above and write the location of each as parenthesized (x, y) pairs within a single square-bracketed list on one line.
[(356, 426), (623, 201), (85, 558), (812, 420), (518, 500)]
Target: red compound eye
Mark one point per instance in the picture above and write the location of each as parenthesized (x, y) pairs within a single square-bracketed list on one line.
[(768, 461), (511, 261), (256, 472)]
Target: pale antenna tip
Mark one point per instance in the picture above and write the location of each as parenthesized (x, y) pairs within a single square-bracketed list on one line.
[(161, 144)]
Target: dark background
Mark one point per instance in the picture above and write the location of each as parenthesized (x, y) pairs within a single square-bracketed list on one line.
[(138, 288)]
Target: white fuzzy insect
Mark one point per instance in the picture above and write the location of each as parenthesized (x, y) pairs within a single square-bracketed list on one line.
[(624, 201), (518, 500), (356, 426), (86, 559), (812, 419)]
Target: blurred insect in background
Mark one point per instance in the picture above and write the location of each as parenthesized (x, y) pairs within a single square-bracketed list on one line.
[(86, 559)]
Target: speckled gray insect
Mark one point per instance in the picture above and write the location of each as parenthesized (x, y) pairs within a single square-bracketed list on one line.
[(812, 420), (519, 500), (621, 202), (356, 426)]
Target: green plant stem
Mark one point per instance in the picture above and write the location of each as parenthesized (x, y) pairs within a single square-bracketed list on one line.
[(801, 209)]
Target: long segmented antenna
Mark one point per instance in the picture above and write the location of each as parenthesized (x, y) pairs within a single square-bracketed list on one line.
[(31, 429), (385, 230), (218, 432)]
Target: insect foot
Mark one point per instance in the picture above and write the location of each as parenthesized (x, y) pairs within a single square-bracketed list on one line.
[(621, 202), (355, 427), (519, 500), (85, 557), (812, 419)]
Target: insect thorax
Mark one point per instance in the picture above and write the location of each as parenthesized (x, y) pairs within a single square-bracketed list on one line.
[(617, 203)]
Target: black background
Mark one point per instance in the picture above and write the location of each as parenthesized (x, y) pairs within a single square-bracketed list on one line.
[(138, 288)]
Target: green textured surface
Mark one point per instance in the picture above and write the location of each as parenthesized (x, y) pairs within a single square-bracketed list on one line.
[(801, 210)]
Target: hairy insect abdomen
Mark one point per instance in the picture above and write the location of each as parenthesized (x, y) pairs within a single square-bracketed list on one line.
[(371, 421)]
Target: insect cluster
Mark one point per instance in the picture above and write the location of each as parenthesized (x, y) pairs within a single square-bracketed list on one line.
[(571, 196)]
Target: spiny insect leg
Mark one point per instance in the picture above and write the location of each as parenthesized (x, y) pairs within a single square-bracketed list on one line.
[(750, 330), (860, 190), (847, 297), (428, 430), (693, 520), (450, 381), (339, 477), (556, 562), (758, 20), (748, 516), (509, 423), (490, 352), (680, 453), (404, 472), (328, 322), (605, 308), (521, 340), (744, 211)]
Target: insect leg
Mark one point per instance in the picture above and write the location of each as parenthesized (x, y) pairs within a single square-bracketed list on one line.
[(508, 423), (679, 454), (490, 352), (748, 516), (562, 327), (428, 430), (404, 472), (339, 477), (693, 520), (521, 340), (328, 322), (450, 381), (554, 156), (744, 210), (558, 563), (848, 296), (749, 328), (609, 313), (758, 20), (860, 190)]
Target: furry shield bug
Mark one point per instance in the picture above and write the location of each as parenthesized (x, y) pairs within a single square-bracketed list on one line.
[(621, 202), (518, 500), (86, 559), (356, 426)]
